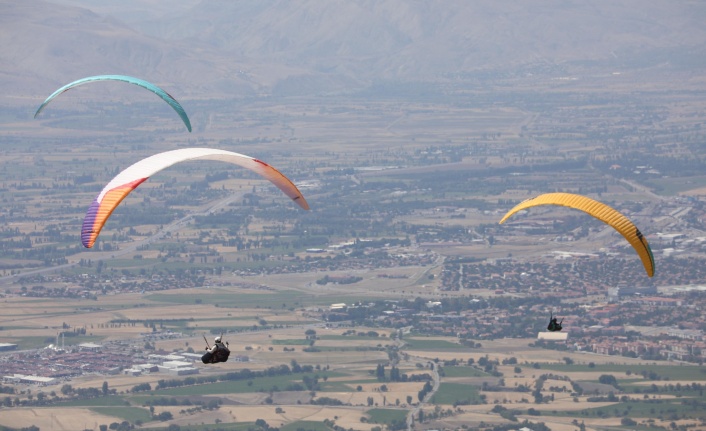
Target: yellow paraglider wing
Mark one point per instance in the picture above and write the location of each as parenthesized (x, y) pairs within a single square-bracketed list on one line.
[(600, 211)]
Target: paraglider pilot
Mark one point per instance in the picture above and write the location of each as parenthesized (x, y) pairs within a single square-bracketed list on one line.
[(219, 352), (554, 326)]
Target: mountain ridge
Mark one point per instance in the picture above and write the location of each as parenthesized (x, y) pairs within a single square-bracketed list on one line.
[(224, 48)]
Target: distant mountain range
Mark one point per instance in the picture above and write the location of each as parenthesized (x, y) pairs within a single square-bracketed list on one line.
[(233, 48)]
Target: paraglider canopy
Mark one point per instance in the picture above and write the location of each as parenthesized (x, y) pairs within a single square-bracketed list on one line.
[(129, 79), (129, 179), (600, 211)]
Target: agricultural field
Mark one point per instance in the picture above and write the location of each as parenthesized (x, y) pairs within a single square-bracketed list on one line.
[(318, 375)]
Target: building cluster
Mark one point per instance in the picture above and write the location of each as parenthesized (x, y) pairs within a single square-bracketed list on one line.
[(89, 285), (55, 365), (670, 349), (671, 343), (171, 364), (635, 322)]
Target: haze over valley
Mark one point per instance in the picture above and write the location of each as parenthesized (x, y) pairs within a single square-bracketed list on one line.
[(397, 301)]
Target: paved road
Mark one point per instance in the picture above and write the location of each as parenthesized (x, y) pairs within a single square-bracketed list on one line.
[(415, 411), (643, 189)]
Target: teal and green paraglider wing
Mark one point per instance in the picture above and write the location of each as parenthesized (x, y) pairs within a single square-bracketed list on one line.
[(129, 79)]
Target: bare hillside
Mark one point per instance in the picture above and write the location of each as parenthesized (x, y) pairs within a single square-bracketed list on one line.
[(46, 45), (235, 48), (373, 39)]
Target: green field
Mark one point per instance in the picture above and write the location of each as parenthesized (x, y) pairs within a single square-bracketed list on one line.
[(658, 409), (456, 393), (387, 416), (130, 414), (349, 349), (352, 338), (241, 300), (294, 342), (426, 344), (345, 386), (462, 372), (673, 186), (665, 372), (260, 384), (12, 328), (109, 401)]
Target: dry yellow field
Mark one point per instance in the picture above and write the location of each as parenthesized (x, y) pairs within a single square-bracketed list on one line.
[(59, 419)]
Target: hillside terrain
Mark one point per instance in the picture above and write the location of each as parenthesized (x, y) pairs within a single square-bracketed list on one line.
[(236, 49)]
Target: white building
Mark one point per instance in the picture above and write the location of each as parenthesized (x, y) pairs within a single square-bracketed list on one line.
[(4, 347), (178, 368), (91, 347), (195, 357), (35, 380), (553, 336)]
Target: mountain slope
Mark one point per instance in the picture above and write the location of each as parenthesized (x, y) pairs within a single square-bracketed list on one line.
[(46, 45), (403, 39), (231, 48)]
